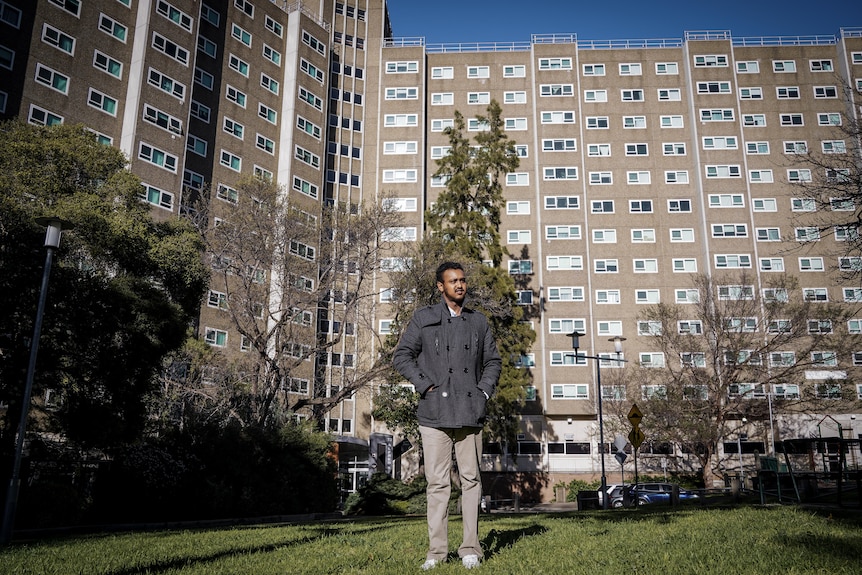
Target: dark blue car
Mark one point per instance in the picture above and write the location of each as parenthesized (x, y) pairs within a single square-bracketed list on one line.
[(650, 493)]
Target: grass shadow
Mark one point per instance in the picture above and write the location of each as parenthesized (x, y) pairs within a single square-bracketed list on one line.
[(187, 561), (496, 540)]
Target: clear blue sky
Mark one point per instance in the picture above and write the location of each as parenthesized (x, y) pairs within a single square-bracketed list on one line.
[(445, 21)]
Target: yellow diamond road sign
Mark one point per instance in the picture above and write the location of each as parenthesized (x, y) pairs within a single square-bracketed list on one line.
[(635, 416), (636, 437)]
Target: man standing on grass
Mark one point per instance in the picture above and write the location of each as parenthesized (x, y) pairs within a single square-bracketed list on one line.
[(449, 355)]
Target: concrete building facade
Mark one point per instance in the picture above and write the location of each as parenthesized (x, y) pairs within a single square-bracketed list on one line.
[(642, 162)]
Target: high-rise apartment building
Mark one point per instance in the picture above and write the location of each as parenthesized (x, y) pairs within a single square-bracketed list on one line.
[(641, 162)]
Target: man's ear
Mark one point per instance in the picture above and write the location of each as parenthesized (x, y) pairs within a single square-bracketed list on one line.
[(440, 287)]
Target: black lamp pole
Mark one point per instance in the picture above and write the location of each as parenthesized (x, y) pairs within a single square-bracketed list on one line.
[(52, 242)]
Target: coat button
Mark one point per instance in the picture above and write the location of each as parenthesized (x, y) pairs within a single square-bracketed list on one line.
[(465, 370), (445, 394), (450, 370)]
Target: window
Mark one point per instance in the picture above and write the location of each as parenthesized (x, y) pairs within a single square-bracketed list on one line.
[(569, 390), (52, 79), (514, 71), (611, 328), (640, 206), (566, 293), (667, 68), (726, 201), (764, 205), (563, 232), (597, 122), (113, 28), (518, 208), (751, 93), (519, 236), (652, 328), (757, 148), (310, 98), (601, 178), (678, 177), (560, 90), (787, 92), (747, 67), (693, 359), (686, 296), (853, 263), (411, 94), (791, 120), (645, 236), (201, 112), (637, 150), (565, 263), (514, 97), (782, 66), (807, 234), (305, 187), (673, 149), (598, 150), (632, 95), (713, 87), (555, 63), (690, 327), (394, 120), (307, 157), (518, 179), (515, 124), (634, 122), (720, 143), (825, 92), (608, 266), (833, 146), (398, 234), (478, 72), (245, 6), (611, 296), (477, 125), (564, 173), (768, 234), (157, 157), (604, 236), (602, 206), (595, 95), (760, 176), (400, 175), (732, 261), (402, 67), (215, 337), (682, 235), (630, 70), (642, 177), (54, 37), (265, 144), (833, 119), (821, 65), (162, 119), (669, 94), (799, 175), (646, 266), (729, 231), (753, 120), (520, 267), (410, 148), (231, 161), (107, 64), (722, 171), (562, 202), (594, 69), (157, 197), (717, 115), (679, 206), (684, 265), (560, 145), (564, 117), (812, 264), (709, 61), (170, 49)]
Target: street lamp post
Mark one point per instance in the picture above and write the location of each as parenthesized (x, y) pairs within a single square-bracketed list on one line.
[(52, 242), (618, 348), (739, 437)]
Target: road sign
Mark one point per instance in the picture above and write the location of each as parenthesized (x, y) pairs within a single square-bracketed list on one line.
[(635, 415), (636, 437), (620, 442), (620, 456)]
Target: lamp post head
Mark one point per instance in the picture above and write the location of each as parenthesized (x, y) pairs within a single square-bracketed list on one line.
[(576, 344), (55, 227), (618, 344)]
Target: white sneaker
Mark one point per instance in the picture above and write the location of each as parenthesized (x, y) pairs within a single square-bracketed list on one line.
[(430, 564), (470, 561)]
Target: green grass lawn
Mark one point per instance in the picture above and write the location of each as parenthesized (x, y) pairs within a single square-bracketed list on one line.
[(745, 540)]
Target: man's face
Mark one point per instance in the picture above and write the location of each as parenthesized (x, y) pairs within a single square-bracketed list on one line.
[(454, 286)]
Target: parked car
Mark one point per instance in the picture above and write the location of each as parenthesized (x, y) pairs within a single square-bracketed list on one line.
[(615, 490), (647, 493)]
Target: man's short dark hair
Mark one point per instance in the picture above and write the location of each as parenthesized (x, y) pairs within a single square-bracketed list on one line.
[(447, 266)]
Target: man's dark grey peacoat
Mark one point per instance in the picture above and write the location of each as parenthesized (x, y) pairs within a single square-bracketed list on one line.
[(458, 357)]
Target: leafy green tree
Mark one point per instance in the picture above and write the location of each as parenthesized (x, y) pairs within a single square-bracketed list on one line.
[(463, 225), (123, 290)]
